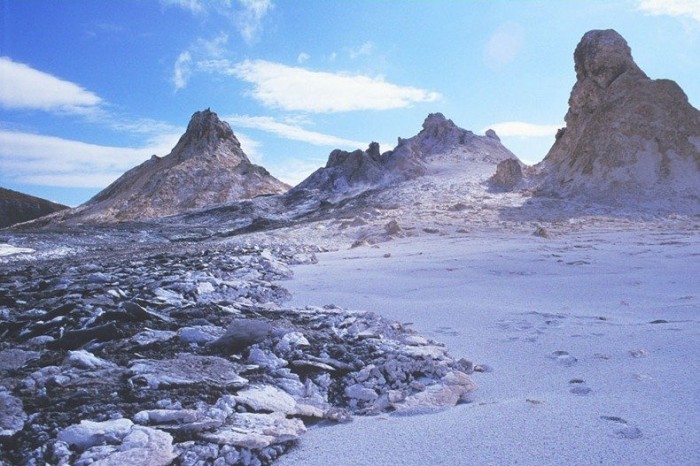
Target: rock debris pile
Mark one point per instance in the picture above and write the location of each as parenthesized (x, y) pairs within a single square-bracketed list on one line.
[(187, 357)]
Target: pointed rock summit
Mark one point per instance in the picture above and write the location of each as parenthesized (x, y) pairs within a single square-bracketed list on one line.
[(348, 173), (627, 136), (206, 167)]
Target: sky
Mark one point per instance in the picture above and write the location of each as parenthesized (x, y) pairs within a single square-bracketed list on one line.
[(90, 89)]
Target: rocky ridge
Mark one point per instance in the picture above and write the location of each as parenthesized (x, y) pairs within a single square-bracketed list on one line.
[(627, 137), (185, 355), (349, 173), (16, 207), (205, 168)]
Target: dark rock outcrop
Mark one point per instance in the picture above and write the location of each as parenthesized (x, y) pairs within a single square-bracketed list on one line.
[(206, 167), (627, 136), (17, 207)]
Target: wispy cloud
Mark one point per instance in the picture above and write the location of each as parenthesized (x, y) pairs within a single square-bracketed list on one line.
[(298, 89), (200, 52), (250, 19), (522, 129), (292, 132), (193, 6), (504, 45), (303, 57), (679, 8), (247, 16), (182, 70), (363, 50), (52, 161), (23, 87)]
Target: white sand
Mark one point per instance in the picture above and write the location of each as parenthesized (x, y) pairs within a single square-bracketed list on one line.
[(510, 300)]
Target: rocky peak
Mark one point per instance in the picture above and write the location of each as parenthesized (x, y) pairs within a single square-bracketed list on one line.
[(373, 150), (207, 135), (438, 135), (602, 56), (348, 173), (206, 167), (436, 122)]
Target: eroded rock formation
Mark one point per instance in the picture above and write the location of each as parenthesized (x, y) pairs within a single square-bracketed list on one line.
[(626, 136)]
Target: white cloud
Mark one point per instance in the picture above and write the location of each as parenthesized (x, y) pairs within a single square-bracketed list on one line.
[(52, 161), (522, 129), (298, 89), (293, 132), (303, 57), (504, 45), (250, 18), (363, 50), (682, 8), (23, 87)]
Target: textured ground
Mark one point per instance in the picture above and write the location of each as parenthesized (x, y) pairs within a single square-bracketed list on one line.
[(591, 336)]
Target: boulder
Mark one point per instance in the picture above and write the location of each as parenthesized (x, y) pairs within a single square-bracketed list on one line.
[(508, 175), (12, 415)]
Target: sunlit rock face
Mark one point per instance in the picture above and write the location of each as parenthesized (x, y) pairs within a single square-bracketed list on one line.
[(206, 167), (627, 136)]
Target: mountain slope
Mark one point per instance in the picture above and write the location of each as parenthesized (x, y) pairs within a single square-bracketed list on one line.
[(16, 207)]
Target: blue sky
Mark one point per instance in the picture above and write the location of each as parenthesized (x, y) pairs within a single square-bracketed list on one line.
[(89, 89)]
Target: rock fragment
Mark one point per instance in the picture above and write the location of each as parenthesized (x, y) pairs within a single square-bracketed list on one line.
[(12, 415)]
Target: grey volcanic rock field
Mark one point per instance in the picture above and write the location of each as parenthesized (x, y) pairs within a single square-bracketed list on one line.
[(185, 354)]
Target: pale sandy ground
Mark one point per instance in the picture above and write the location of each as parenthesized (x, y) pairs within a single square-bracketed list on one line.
[(510, 301)]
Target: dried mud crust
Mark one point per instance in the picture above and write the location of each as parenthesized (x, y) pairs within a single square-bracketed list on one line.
[(190, 349)]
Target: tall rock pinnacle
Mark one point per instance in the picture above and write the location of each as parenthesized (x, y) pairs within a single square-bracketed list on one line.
[(626, 135), (206, 167)]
